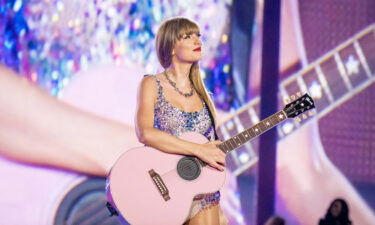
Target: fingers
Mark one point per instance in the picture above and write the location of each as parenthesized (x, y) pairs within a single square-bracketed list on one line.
[(217, 166), (213, 155), (216, 142), (221, 161)]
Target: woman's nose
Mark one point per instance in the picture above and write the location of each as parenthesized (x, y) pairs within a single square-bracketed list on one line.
[(197, 40)]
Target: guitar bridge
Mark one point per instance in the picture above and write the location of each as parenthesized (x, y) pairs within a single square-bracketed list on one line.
[(159, 184)]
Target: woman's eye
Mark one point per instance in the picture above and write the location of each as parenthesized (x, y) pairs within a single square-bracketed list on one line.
[(186, 36)]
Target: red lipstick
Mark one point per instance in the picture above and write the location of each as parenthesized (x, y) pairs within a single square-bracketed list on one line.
[(197, 49)]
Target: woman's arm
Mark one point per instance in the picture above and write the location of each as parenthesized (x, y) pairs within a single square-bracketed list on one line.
[(36, 128), (153, 137)]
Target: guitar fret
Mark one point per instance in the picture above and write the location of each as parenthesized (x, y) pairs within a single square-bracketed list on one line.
[(252, 134), (268, 123), (232, 145), (272, 121), (256, 130), (324, 83), (342, 71), (280, 116), (366, 44), (247, 135), (276, 119), (224, 148), (262, 126), (228, 147), (362, 58), (242, 138), (237, 141)]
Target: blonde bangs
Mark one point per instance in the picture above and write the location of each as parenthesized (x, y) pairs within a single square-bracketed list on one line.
[(169, 32), (186, 26)]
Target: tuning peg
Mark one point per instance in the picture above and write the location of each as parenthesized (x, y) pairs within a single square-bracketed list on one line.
[(286, 100), (311, 113), (299, 94), (304, 116), (293, 97), (298, 119)]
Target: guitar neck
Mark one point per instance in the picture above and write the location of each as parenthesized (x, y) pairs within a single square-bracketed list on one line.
[(252, 132)]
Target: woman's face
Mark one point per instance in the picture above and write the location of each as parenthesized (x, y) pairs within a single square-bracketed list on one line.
[(188, 48), (336, 208)]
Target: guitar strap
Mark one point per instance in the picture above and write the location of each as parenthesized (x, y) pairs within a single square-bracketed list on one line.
[(111, 209), (212, 121)]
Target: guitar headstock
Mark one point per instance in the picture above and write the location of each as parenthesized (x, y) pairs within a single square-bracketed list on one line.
[(299, 106)]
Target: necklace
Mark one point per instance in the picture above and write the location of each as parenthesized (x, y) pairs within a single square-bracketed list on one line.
[(186, 95)]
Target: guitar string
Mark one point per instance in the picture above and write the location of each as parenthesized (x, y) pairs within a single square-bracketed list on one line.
[(191, 163)]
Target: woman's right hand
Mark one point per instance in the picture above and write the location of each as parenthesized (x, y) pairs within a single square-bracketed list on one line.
[(212, 155)]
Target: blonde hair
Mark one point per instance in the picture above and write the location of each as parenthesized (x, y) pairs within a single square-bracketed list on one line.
[(169, 32)]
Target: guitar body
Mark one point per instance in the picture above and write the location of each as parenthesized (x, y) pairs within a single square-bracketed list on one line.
[(135, 195), (148, 186)]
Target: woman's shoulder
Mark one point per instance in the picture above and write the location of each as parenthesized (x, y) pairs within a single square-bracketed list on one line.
[(150, 83), (155, 77)]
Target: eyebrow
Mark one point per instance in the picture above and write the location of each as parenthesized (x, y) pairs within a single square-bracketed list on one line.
[(189, 33)]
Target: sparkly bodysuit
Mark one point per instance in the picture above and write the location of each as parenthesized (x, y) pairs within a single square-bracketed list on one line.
[(175, 121)]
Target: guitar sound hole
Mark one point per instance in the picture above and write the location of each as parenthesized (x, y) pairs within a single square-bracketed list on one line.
[(188, 168)]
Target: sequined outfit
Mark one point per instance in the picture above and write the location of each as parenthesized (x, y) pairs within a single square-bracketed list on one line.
[(175, 121)]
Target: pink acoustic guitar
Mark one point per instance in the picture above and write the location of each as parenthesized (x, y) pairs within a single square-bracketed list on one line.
[(148, 186)]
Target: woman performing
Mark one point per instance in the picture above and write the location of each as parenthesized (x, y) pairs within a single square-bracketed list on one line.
[(174, 102)]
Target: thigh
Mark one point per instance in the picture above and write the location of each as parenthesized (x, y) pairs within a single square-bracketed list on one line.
[(210, 216)]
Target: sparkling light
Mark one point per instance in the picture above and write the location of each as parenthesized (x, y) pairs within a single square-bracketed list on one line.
[(224, 38), (315, 90), (352, 65), (73, 34), (244, 157), (288, 127)]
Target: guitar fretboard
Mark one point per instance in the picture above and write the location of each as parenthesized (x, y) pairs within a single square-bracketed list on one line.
[(252, 132)]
